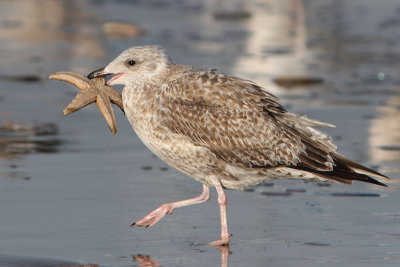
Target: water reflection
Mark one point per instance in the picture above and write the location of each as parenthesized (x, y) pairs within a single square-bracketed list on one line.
[(145, 261), (17, 140), (271, 52), (39, 25), (225, 252), (148, 261), (385, 132), (18, 261)]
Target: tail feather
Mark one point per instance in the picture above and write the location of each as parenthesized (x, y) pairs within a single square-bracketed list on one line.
[(345, 171), (357, 167)]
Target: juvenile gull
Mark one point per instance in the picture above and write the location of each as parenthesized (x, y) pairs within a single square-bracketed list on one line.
[(223, 131)]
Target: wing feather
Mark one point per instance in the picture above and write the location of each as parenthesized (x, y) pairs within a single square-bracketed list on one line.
[(243, 124)]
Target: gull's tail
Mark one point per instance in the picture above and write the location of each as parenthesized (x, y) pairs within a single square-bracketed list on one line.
[(346, 171)]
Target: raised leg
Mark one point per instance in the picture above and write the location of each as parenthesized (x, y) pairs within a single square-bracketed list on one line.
[(167, 208), (225, 236)]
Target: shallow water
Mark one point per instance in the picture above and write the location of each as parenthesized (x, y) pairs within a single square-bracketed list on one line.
[(70, 192)]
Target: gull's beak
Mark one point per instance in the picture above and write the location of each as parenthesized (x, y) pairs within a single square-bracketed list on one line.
[(98, 73)]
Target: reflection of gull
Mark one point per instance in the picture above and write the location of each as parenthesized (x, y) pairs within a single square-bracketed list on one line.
[(148, 261), (225, 252), (223, 131), (145, 261)]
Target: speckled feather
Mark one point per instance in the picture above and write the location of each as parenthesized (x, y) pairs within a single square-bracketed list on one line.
[(209, 124)]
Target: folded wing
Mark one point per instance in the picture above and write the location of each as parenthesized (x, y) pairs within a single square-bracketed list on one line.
[(245, 126)]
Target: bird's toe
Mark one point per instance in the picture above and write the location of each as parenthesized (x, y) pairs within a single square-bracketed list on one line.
[(154, 216)]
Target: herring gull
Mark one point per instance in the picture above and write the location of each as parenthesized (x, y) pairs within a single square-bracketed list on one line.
[(223, 131)]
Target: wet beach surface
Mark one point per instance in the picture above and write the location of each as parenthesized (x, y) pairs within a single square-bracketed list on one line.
[(69, 189)]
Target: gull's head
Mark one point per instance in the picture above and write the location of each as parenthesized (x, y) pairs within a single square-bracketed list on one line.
[(135, 64)]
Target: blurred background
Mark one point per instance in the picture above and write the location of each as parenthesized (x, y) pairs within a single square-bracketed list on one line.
[(69, 189)]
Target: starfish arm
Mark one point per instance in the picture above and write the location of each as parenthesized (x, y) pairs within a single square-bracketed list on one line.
[(119, 104), (75, 79), (116, 99), (104, 104), (114, 96), (94, 90), (82, 99)]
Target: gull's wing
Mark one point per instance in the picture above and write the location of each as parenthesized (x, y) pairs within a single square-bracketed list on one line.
[(244, 125)]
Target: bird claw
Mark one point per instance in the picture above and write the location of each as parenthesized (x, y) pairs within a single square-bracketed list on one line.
[(220, 242), (223, 241), (153, 217)]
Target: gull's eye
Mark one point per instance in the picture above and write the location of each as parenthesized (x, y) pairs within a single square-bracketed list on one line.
[(131, 62)]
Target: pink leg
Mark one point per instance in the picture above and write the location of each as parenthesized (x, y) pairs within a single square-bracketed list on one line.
[(167, 208), (225, 236)]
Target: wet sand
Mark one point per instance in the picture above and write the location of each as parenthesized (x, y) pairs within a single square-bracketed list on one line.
[(69, 189)]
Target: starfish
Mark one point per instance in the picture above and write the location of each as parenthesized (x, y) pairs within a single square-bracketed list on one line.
[(92, 90)]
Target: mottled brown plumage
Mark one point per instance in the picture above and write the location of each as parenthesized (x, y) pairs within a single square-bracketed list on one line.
[(223, 131)]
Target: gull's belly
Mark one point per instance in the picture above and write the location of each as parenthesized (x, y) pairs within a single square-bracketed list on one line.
[(176, 150)]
